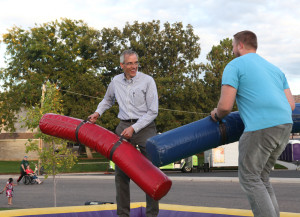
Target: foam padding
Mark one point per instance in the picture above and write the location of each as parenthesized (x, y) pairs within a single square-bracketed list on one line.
[(136, 210), (200, 136), (148, 177)]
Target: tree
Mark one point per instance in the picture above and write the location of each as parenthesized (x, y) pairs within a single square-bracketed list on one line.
[(55, 156), (66, 53), (81, 61), (218, 58), (168, 54)]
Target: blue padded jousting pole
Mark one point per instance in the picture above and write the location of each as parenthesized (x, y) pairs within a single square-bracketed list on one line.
[(200, 136)]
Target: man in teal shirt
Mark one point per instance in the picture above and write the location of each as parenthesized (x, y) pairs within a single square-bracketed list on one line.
[(23, 166), (265, 104)]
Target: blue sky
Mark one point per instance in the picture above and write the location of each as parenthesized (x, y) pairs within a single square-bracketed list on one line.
[(276, 22)]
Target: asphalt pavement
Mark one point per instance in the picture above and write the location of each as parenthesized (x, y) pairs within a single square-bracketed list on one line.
[(218, 188)]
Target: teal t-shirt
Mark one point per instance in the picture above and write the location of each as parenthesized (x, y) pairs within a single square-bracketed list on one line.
[(260, 92), (25, 164)]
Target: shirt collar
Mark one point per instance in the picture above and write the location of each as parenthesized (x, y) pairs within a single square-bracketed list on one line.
[(132, 79)]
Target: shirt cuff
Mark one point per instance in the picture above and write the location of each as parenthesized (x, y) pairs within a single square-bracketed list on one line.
[(135, 128)]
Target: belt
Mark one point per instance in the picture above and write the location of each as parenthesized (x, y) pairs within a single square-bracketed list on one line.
[(131, 120)]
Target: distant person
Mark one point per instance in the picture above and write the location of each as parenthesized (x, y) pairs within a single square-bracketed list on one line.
[(265, 104), (9, 188), (33, 175), (24, 164), (137, 98)]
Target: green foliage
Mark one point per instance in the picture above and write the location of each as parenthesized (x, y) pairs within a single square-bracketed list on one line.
[(218, 58), (55, 156), (81, 61), (66, 53), (168, 54)]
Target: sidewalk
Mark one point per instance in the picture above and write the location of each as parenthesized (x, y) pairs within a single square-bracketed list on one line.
[(217, 176), (291, 175), (288, 165)]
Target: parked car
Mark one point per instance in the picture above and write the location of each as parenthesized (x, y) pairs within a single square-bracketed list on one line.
[(185, 165)]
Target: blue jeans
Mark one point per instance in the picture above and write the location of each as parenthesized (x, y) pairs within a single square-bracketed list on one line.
[(258, 152)]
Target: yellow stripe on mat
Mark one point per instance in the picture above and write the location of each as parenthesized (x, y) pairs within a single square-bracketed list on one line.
[(172, 207)]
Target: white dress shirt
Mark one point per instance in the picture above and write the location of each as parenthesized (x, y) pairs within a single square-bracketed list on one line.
[(137, 99)]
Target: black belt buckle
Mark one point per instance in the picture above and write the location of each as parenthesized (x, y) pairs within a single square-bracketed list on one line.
[(131, 120)]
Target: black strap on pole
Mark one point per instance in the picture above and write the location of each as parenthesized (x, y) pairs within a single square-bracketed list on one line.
[(222, 128), (116, 145), (78, 127)]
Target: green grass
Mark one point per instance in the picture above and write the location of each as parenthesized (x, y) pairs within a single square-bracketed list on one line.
[(96, 157), (100, 165), (104, 167), (3, 209), (11, 167), (278, 166)]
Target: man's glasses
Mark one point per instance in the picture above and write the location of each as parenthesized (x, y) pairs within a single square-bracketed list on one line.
[(131, 63)]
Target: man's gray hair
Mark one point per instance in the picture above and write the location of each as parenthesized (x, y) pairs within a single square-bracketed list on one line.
[(127, 52)]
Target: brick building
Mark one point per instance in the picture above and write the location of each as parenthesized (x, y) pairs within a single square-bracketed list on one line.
[(297, 98), (12, 145)]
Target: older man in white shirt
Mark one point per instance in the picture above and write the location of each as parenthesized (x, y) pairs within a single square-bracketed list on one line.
[(136, 94)]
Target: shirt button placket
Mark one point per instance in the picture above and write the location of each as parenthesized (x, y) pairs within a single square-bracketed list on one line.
[(128, 99)]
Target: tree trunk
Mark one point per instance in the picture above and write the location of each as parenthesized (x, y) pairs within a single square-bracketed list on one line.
[(53, 173), (88, 153), (54, 190)]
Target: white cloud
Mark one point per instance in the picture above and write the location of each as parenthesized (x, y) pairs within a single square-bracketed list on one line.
[(276, 22)]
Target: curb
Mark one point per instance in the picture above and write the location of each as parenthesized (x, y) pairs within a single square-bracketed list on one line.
[(104, 176)]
